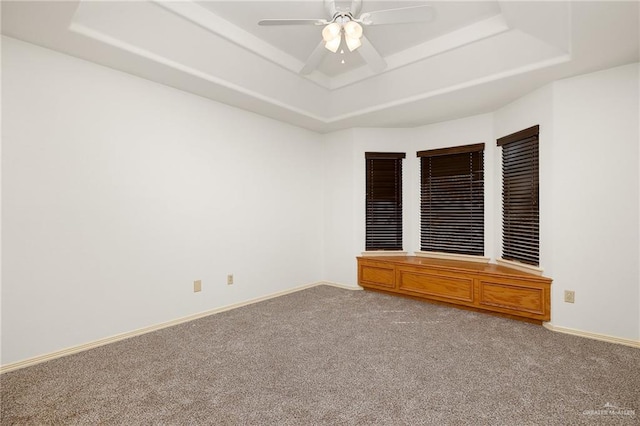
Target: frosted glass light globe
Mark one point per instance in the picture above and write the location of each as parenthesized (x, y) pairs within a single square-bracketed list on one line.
[(352, 43), (331, 31), (353, 29), (334, 44)]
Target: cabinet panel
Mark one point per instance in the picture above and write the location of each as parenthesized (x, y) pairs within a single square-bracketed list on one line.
[(377, 274), (441, 286), (512, 297)]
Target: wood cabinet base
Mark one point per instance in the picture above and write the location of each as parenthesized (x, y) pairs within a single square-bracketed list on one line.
[(476, 286)]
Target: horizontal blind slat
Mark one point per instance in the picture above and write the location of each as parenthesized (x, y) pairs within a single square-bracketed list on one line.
[(452, 202), (383, 218), (520, 193)]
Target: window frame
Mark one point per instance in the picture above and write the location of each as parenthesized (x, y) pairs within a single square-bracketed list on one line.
[(436, 239), (521, 241), (381, 237)]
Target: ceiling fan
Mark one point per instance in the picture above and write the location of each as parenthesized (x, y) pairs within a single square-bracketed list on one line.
[(348, 22)]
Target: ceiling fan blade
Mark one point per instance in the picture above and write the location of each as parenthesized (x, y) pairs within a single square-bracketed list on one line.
[(356, 5), (314, 59), (371, 55), (330, 7), (403, 15), (273, 22)]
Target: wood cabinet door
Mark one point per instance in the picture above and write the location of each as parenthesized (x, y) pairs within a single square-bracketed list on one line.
[(455, 288), (376, 274), (524, 298)]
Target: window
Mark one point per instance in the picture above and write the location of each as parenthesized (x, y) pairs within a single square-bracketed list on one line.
[(384, 200), (452, 200), (520, 212)]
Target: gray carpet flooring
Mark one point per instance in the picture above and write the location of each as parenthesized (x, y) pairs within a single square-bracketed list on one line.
[(332, 356)]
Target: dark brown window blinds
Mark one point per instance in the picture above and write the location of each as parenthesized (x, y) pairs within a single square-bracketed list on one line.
[(452, 200), (384, 200), (520, 209)]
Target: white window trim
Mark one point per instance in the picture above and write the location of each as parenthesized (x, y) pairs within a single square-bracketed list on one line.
[(452, 256), (520, 266)]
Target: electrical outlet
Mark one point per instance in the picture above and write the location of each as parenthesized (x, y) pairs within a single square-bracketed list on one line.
[(197, 286), (230, 279), (569, 296)]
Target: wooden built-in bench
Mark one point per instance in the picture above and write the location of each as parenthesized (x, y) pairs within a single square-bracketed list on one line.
[(478, 286)]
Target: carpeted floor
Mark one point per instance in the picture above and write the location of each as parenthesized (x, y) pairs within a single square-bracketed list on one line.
[(332, 356)]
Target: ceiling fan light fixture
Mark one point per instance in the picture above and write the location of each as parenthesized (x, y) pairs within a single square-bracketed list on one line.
[(352, 43), (353, 29), (333, 44), (349, 21), (331, 32)]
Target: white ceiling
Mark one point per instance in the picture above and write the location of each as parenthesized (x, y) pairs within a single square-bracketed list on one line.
[(471, 58)]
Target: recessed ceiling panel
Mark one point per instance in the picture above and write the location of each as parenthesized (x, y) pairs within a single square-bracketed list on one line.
[(300, 40), (449, 16), (297, 40)]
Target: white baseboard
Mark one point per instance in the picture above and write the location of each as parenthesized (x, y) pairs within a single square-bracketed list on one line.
[(595, 336), (342, 286), (101, 342)]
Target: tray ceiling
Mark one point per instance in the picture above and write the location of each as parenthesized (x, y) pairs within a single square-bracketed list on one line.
[(472, 58)]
